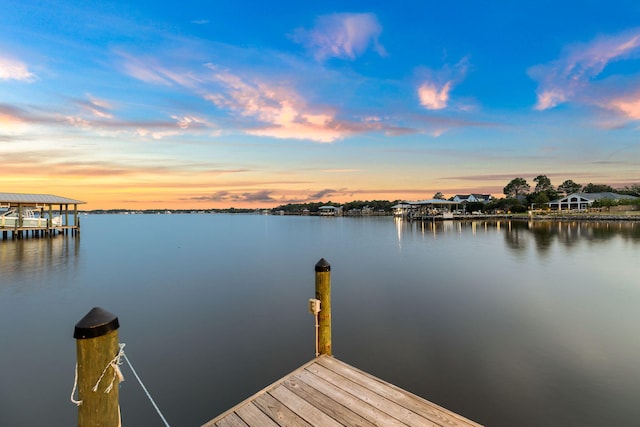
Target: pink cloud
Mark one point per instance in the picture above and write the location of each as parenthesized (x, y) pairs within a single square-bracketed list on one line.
[(342, 35), (433, 97), (434, 91), (97, 107), (571, 76), (12, 69), (629, 107), (282, 112), (190, 122), (261, 104)]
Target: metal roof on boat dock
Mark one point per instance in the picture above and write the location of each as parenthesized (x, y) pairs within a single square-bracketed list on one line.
[(44, 199)]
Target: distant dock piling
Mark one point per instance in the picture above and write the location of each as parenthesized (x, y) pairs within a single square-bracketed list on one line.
[(98, 377), (323, 294)]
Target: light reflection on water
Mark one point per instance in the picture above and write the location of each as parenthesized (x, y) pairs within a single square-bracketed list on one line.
[(508, 323), (39, 256)]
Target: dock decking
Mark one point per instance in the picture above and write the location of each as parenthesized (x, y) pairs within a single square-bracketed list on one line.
[(327, 392)]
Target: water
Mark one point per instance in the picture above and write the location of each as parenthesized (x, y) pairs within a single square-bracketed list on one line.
[(506, 323)]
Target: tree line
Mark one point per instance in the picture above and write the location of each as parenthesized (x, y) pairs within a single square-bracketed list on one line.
[(519, 197), (519, 193)]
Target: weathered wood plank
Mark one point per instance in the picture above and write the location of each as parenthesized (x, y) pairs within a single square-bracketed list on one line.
[(328, 393), (251, 399), (358, 406), (396, 411), (253, 416), (429, 410), (311, 414), (231, 420), (279, 413), (340, 413)]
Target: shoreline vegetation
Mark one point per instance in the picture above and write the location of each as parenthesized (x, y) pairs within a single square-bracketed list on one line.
[(595, 214), (520, 201)]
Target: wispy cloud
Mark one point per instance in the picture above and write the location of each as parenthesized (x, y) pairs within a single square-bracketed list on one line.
[(13, 69), (95, 115), (571, 77), (341, 35), (321, 194), (279, 109), (271, 196), (282, 97), (97, 107), (147, 69), (341, 170), (627, 105), (435, 85), (229, 196)]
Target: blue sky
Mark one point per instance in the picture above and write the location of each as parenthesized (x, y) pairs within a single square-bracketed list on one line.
[(217, 103)]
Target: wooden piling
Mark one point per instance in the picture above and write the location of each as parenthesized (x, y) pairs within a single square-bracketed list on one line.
[(323, 293), (96, 337)]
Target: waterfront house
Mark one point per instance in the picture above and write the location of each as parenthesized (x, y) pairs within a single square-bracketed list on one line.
[(581, 201), (469, 198)]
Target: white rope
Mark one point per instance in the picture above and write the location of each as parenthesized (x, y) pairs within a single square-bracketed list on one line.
[(145, 390), (117, 373), (75, 386), (115, 364)]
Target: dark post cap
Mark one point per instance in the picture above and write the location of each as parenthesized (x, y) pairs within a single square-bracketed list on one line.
[(322, 265), (96, 323)]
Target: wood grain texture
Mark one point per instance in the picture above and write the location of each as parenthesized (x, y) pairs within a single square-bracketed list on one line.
[(329, 393)]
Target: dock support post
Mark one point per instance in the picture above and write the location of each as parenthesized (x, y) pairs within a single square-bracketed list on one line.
[(96, 337), (323, 293)]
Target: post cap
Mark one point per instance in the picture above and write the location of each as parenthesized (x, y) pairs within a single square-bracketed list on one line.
[(322, 265), (96, 323)]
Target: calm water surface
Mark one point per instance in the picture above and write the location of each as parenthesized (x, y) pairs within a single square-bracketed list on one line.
[(509, 324)]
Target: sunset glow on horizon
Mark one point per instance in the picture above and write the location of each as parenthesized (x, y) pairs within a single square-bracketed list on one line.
[(199, 105)]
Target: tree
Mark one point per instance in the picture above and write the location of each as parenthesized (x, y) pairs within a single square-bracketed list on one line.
[(474, 206), (542, 183), (541, 199), (544, 190), (517, 187), (596, 188), (439, 196), (569, 187)]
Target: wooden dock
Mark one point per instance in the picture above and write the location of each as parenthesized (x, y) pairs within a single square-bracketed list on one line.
[(327, 392), (324, 392), (42, 224)]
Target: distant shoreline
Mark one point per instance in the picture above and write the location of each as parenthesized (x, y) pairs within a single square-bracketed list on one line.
[(577, 216), (586, 217)]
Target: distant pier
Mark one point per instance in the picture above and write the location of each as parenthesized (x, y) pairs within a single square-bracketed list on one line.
[(37, 215)]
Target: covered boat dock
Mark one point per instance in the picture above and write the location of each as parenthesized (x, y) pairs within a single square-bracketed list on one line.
[(432, 209), (38, 215)]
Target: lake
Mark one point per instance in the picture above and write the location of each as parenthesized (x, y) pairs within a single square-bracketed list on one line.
[(508, 323)]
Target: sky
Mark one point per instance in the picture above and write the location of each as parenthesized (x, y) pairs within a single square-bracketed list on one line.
[(214, 104)]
